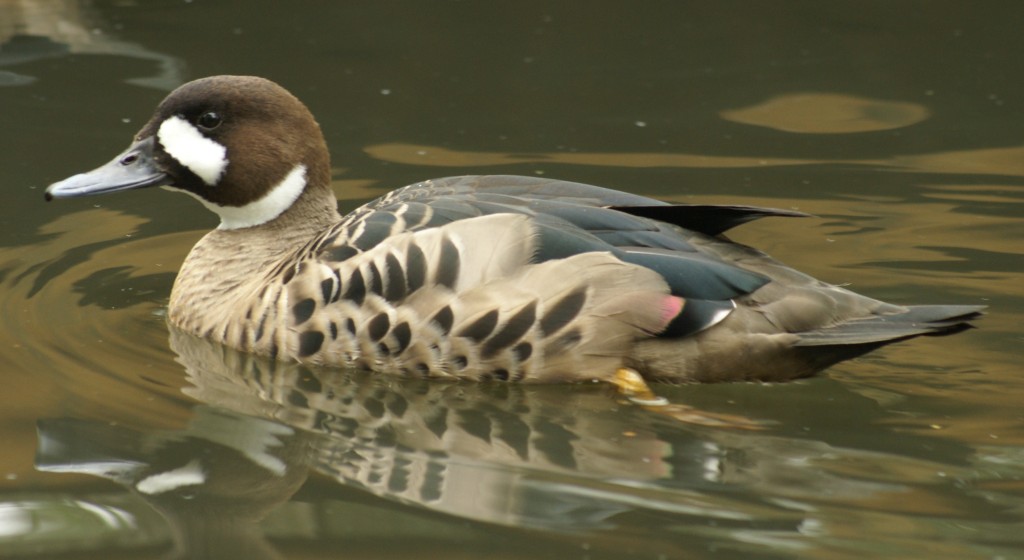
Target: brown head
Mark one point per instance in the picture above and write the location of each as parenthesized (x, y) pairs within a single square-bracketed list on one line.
[(242, 145)]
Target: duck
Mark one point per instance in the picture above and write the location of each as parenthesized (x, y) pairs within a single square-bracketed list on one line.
[(491, 277)]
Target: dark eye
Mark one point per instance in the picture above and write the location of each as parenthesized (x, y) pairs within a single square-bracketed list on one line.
[(209, 120)]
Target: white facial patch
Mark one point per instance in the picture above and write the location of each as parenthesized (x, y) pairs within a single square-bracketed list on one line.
[(202, 156)]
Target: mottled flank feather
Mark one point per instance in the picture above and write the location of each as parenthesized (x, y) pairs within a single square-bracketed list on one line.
[(500, 316)]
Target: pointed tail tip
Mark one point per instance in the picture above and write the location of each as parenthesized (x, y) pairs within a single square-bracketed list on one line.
[(958, 318), (878, 330), (942, 316)]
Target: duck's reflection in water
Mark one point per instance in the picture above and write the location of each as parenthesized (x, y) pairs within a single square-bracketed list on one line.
[(562, 458), (497, 452), (212, 482)]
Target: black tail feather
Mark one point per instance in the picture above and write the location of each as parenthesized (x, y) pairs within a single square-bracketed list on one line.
[(709, 219)]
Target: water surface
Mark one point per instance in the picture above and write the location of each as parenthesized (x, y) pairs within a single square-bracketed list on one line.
[(898, 125)]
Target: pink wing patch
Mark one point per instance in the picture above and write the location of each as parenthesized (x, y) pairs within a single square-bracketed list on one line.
[(671, 307)]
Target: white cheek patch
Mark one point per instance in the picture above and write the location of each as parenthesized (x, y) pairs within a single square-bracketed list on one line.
[(202, 156)]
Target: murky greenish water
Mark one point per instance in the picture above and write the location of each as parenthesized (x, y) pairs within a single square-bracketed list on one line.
[(900, 125)]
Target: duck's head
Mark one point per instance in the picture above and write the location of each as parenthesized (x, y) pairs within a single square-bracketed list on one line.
[(242, 145)]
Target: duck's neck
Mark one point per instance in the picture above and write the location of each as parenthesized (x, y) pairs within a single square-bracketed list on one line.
[(227, 265)]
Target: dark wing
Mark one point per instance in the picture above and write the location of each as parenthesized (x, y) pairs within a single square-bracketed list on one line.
[(572, 218)]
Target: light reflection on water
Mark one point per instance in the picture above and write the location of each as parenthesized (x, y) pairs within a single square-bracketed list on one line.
[(915, 451)]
